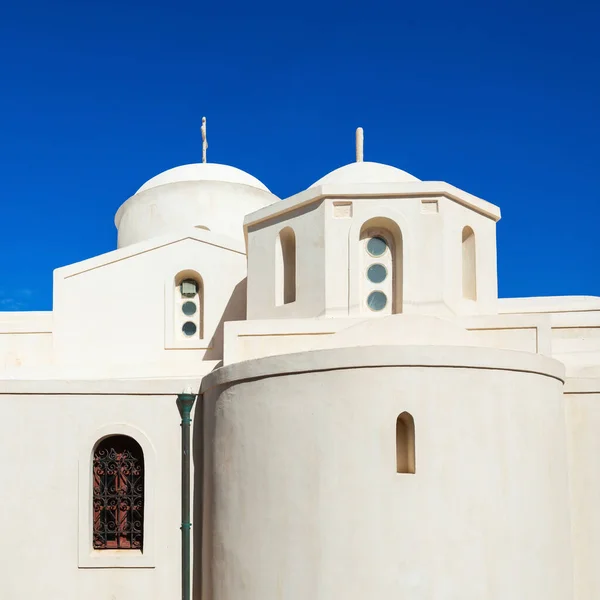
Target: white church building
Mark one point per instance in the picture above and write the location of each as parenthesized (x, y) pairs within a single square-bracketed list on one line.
[(371, 421)]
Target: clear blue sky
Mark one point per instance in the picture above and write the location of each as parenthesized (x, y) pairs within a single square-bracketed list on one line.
[(99, 97)]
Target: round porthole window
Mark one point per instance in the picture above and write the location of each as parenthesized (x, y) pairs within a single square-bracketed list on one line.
[(376, 246), (189, 308), (189, 328), (376, 273), (377, 301)]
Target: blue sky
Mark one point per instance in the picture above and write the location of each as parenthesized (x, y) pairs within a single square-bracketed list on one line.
[(98, 97)]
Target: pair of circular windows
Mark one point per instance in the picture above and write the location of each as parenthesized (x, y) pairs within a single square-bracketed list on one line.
[(377, 273)]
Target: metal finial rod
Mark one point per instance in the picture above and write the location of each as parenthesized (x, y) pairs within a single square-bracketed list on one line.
[(360, 141), (204, 140)]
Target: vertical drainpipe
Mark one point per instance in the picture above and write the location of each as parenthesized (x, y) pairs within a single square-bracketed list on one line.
[(185, 402)]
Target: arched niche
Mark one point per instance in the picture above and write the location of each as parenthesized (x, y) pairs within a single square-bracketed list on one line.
[(285, 267), (469, 264), (188, 305), (387, 234), (405, 443)]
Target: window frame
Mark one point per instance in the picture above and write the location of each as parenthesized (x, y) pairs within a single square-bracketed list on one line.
[(286, 267), (386, 259), (469, 264), (395, 224), (127, 481), (174, 318), (407, 455), (88, 557)]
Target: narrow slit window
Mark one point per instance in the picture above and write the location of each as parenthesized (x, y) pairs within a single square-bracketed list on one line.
[(118, 494), (285, 267), (405, 443), (469, 264)]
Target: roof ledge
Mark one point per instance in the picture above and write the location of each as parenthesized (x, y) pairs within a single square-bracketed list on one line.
[(411, 189)]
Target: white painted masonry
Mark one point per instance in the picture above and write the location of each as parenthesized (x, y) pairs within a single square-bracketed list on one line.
[(316, 321)]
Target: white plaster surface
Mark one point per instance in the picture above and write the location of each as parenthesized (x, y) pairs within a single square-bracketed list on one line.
[(25, 340), (128, 305), (329, 254), (296, 493), (583, 420), (44, 428), (311, 506)]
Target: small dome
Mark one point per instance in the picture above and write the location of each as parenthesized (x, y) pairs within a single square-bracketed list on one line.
[(366, 172), (203, 172)]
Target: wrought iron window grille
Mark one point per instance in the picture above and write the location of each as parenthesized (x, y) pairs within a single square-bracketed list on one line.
[(118, 494)]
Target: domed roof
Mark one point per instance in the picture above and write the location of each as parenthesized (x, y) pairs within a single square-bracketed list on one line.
[(203, 172), (366, 172), (203, 196)]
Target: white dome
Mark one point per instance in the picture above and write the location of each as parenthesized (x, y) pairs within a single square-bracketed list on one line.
[(366, 172), (203, 172), (204, 196)]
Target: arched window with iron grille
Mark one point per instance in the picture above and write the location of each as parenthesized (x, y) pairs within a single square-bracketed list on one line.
[(118, 494)]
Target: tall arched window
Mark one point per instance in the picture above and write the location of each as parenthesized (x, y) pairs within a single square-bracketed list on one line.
[(469, 264), (118, 494), (188, 305), (285, 267), (405, 443), (381, 267)]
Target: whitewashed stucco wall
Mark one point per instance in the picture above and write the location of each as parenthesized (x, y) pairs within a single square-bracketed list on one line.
[(25, 340), (46, 430), (305, 501), (114, 311), (308, 227), (583, 424), (327, 249)]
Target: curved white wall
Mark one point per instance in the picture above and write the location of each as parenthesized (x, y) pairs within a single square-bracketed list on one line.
[(302, 498), (216, 205)]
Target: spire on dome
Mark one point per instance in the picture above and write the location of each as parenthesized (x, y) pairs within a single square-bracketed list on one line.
[(360, 139), (204, 140)]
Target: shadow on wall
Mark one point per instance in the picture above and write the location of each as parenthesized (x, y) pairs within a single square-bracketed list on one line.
[(234, 311), (202, 443), (198, 529)]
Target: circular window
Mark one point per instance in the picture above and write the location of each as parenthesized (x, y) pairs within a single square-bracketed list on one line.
[(377, 301), (376, 273), (189, 328), (376, 246), (189, 308)]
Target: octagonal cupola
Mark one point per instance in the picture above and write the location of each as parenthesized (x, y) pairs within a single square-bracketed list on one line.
[(369, 240)]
